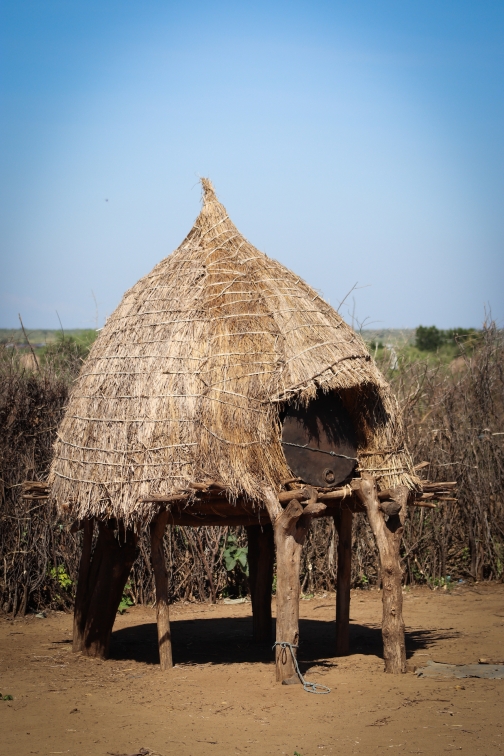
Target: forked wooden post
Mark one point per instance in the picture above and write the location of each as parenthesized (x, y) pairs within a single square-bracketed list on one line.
[(343, 521), (290, 529), (261, 555), (388, 539), (82, 586), (157, 530)]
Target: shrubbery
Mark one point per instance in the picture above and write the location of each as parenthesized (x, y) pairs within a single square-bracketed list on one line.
[(430, 338)]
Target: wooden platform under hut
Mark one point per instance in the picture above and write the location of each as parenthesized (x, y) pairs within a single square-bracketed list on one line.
[(225, 391)]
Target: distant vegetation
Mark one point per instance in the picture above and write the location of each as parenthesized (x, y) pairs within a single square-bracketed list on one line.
[(430, 338), (68, 352), (427, 343), (40, 339), (61, 351)]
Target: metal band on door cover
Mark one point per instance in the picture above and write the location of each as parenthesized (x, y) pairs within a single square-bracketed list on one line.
[(319, 442)]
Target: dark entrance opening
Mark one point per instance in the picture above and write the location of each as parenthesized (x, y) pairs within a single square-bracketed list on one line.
[(319, 441)]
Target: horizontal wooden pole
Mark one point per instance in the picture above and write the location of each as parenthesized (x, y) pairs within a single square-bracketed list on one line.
[(168, 498), (439, 486), (284, 497), (337, 494), (193, 521)]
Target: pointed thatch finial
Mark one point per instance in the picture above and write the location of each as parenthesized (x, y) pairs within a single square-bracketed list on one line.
[(208, 191)]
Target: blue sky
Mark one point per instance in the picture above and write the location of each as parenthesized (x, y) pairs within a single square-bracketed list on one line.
[(353, 141)]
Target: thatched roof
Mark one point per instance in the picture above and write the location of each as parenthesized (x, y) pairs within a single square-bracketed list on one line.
[(185, 381)]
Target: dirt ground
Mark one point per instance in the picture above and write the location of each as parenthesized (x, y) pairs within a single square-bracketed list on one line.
[(221, 697)]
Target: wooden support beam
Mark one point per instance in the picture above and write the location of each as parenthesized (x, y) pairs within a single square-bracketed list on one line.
[(261, 553), (197, 520), (441, 486), (290, 528), (388, 539), (165, 498), (218, 509), (289, 543), (337, 494), (82, 586), (300, 494), (110, 567), (157, 530), (343, 522)]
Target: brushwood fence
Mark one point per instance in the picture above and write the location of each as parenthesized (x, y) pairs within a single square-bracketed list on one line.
[(454, 417)]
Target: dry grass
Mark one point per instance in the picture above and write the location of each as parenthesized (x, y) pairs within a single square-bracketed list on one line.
[(187, 378)]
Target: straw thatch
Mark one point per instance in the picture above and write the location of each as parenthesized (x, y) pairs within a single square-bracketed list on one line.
[(186, 380)]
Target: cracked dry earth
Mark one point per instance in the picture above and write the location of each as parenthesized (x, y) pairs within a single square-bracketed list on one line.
[(221, 697)]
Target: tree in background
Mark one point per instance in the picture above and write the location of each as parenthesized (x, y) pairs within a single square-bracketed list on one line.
[(429, 338)]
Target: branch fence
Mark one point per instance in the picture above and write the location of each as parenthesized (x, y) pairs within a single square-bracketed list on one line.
[(454, 417)]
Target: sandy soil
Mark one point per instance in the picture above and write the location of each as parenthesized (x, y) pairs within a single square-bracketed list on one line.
[(221, 697)]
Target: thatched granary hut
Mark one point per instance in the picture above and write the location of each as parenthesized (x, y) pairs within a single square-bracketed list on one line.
[(221, 376)]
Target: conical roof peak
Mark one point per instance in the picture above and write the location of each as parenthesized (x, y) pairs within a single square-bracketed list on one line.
[(209, 194), (213, 214)]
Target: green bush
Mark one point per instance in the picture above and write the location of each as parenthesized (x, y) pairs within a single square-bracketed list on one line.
[(430, 338), (68, 352), (126, 600), (61, 576), (235, 558), (234, 554)]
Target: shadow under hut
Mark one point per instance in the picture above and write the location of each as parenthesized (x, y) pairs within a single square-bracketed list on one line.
[(225, 391)]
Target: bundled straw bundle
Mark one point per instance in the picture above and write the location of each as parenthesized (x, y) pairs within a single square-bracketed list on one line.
[(189, 375)]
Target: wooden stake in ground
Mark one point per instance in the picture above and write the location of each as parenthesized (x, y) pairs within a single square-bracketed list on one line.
[(290, 529), (157, 529), (110, 567), (343, 522), (388, 539), (261, 554), (82, 586)]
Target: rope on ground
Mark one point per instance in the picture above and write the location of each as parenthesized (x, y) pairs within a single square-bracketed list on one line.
[(310, 687)]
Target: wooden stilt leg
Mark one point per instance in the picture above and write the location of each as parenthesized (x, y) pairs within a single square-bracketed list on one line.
[(92, 581), (112, 563), (261, 552), (343, 521), (161, 578), (388, 539), (82, 586), (290, 529)]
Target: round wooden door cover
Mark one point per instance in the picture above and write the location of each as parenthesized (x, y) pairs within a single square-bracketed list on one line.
[(319, 442)]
